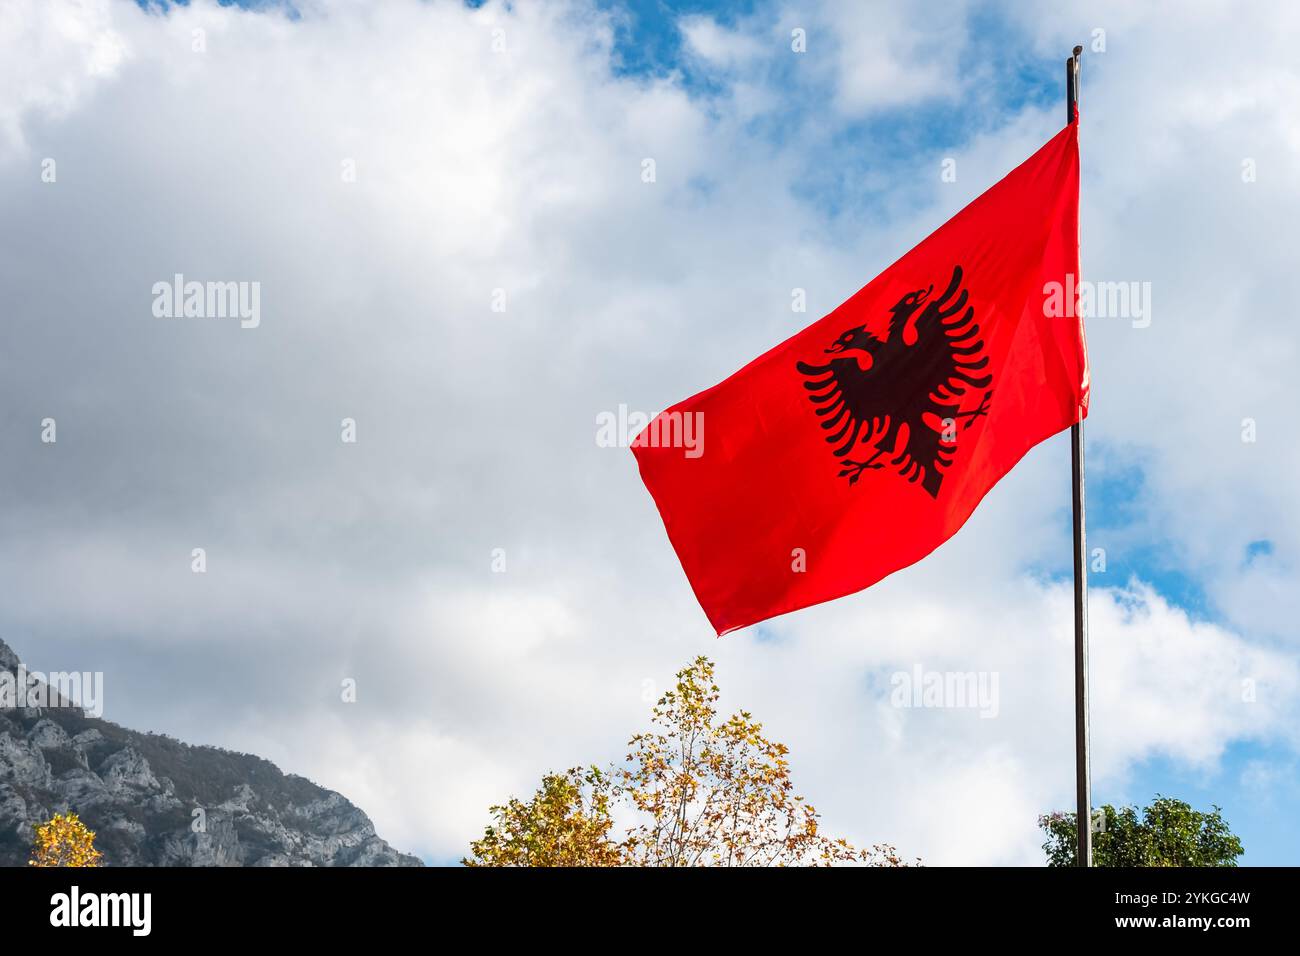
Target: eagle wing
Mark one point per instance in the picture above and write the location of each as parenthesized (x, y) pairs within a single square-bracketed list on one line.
[(946, 359), (849, 408)]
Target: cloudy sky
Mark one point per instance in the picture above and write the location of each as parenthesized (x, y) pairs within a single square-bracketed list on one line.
[(443, 206)]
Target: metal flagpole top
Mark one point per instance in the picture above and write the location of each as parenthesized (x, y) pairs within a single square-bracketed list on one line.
[(1072, 84)]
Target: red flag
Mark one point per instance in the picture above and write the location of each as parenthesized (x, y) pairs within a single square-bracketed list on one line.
[(862, 443)]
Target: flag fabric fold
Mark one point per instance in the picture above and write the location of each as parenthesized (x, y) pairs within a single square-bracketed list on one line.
[(860, 444)]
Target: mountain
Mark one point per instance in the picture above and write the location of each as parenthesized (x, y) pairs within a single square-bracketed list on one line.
[(140, 792)]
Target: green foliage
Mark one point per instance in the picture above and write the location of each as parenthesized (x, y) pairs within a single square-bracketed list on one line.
[(1168, 833)]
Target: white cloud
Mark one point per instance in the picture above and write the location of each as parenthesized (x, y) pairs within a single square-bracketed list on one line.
[(717, 44), (881, 55), (54, 54)]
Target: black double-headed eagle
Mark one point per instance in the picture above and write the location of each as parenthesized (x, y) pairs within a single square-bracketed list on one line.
[(900, 396)]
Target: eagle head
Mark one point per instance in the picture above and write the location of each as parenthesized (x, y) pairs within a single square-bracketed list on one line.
[(904, 309), (862, 344), (855, 339)]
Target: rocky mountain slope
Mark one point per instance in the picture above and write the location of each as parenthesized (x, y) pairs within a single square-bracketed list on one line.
[(140, 792)]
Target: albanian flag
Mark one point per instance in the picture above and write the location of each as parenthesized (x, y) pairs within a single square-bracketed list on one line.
[(862, 443)]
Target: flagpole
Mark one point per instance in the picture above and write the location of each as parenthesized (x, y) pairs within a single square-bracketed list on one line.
[(1083, 818)]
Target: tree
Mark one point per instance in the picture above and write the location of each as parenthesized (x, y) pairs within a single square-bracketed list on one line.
[(65, 841), (566, 823), (1168, 833), (697, 790)]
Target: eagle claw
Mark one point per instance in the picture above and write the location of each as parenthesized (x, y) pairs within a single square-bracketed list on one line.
[(853, 469), (980, 412)]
